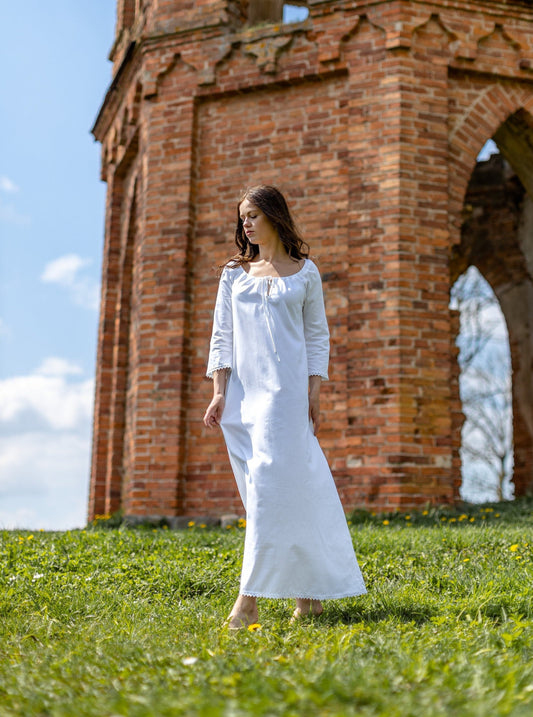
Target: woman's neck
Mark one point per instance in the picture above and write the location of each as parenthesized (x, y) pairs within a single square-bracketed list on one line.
[(272, 253)]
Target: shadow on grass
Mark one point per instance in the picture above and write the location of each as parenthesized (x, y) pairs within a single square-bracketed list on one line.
[(352, 614)]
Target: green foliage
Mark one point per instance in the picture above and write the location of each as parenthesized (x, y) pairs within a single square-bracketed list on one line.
[(129, 622)]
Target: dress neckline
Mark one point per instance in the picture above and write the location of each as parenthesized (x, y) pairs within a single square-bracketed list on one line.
[(288, 276)]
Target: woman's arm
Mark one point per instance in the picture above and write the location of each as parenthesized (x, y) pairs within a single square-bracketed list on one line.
[(216, 407), (315, 326), (221, 345), (316, 341), (221, 350)]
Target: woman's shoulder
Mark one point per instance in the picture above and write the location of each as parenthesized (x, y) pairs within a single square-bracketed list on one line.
[(230, 271), (311, 268)]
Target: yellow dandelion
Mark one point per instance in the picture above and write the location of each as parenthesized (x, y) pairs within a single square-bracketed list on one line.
[(254, 626), (407, 517), (241, 523), (385, 522), (444, 518), (203, 525), (472, 520), (191, 524), (489, 510), (464, 516), (466, 560), (453, 520), (425, 512), (496, 515), (514, 548)]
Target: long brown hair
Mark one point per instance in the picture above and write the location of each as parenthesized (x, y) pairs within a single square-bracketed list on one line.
[(274, 206)]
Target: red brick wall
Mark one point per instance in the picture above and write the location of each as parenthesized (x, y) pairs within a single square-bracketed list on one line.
[(369, 116)]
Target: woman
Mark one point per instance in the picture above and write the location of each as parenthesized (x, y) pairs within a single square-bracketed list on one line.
[(269, 353)]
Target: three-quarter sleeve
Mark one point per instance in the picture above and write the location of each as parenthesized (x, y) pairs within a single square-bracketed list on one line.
[(221, 347), (316, 326)]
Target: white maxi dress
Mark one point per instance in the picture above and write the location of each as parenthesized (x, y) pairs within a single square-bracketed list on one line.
[(272, 333)]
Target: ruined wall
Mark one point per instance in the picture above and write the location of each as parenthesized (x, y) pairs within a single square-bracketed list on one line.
[(369, 116), (497, 238)]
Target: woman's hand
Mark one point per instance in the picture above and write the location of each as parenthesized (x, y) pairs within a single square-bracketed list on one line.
[(315, 383), (214, 411)]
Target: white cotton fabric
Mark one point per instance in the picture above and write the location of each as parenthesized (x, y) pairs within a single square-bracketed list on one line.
[(272, 333)]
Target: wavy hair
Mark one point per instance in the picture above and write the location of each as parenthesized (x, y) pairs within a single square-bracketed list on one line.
[(274, 206)]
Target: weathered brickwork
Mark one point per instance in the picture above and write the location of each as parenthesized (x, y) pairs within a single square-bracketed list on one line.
[(369, 115)]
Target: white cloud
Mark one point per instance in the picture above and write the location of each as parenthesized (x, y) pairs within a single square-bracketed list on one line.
[(46, 397), (68, 272), (44, 480), (64, 271), (45, 426), (54, 366), (7, 185), (9, 214)]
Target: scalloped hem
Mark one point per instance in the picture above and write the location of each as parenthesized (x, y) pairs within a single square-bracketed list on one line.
[(210, 373), (286, 596), (324, 377)]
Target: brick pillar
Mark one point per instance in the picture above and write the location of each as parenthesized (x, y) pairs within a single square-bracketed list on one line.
[(424, 463), (400, 374), (160, 304), (517, 306), (372, 346), (121, 352), (104, 362)]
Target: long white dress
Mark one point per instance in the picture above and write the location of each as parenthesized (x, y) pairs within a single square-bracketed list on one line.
[(272, 333)]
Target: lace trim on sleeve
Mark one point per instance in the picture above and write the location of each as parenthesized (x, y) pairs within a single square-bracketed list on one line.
[(211, 371)]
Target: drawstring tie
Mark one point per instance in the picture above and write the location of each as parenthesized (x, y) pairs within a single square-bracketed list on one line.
[(266, 289)]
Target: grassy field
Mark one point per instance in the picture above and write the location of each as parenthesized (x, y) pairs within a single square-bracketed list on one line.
[(128, 622)]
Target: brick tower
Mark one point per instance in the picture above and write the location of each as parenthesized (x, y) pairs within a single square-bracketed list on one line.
[(369, 115)]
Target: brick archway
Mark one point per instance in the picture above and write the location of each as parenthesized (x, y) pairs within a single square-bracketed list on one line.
[(497, 238), (482, 119)]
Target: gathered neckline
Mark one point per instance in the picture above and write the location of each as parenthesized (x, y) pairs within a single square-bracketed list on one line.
[(288, 276)]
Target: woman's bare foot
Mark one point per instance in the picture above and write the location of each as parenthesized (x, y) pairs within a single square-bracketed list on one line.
[(243, 613), (306, 607)]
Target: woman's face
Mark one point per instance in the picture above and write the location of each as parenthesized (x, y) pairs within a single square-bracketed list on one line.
[(258, 229)]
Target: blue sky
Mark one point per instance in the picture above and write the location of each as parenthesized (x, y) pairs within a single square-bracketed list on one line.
[(54, 76)]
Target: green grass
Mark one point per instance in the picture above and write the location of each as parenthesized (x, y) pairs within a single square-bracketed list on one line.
[(128, 622)]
